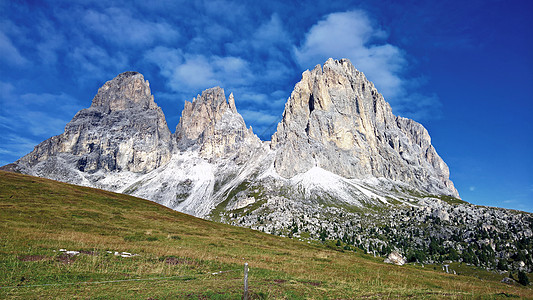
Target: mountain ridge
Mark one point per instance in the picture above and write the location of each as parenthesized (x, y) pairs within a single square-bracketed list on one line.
[(335, 120)]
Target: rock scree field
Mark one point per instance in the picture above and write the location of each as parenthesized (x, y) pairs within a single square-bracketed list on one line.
[(64, 241)]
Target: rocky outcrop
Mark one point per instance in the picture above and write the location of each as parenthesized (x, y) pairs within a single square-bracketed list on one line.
[(335, 119), (123, 130), (212, 125), (395, 258)]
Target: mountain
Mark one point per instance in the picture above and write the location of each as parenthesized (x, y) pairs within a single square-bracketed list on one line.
[(335, 125), (336, 120), (123, 131), (340, 166)]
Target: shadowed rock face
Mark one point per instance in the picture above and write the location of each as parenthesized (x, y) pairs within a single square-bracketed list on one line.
[(124, 129), (335, 119)]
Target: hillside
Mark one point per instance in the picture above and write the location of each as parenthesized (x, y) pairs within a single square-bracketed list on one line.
[(193, 258)]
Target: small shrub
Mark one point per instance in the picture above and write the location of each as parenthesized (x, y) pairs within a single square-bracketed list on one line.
[(522, 278)]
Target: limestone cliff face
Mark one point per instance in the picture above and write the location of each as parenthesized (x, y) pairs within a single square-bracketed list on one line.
[(124, 129), (335, 119), (211, 124)]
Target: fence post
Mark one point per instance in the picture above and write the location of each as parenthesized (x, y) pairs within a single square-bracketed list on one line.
[(245, 296)]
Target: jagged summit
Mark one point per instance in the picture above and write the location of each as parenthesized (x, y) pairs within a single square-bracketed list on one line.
[(335, 119), (212, 124)]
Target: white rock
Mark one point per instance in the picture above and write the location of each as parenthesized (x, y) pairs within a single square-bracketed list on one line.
[(395, 258)]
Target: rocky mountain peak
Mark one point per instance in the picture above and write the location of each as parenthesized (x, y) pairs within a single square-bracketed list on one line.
[(335, 119), (197, 115), (212, 124), (124, 129), (127, 90)]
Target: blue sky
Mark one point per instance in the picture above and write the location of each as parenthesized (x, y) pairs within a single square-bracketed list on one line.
[(464, 69)]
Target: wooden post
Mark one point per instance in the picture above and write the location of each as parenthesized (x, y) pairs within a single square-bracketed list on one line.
[(245, 296)]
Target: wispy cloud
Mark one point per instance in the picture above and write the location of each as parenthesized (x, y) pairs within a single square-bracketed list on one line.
[(10, 53), (14, 147), (124, 27), (230, 11), (264, 122), (270, 34), (29, 118), (263, 118), (418, 106), (94, 62), (51, 42), (26, 119), (40, 115)]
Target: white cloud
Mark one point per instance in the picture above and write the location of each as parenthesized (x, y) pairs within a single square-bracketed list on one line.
[(352, 35), (193, 72)]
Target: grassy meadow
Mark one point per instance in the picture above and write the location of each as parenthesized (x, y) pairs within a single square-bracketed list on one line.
[(174, 255)]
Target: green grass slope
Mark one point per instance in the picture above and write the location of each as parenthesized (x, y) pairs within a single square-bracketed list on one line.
[(180, 256)]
